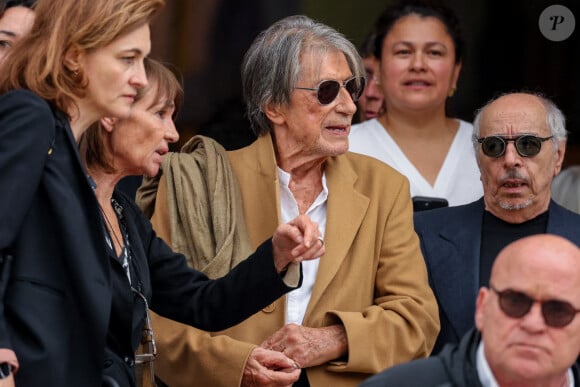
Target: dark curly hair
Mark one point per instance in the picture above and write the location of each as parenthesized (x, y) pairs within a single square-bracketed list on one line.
[(5, 4)]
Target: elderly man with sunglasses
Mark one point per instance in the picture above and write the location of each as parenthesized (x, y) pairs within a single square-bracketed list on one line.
[(366, 304), (528, 331), (520, 140)]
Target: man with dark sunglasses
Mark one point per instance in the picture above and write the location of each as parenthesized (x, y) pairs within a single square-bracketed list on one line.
[(528, 328), (520, 140)]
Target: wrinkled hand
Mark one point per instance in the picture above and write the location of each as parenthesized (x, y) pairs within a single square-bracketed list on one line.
[(309, 347), (296, 241), (266, 368), (7, 382)]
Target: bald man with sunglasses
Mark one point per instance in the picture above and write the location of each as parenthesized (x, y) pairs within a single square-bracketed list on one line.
[(520, 140), (528, 329)]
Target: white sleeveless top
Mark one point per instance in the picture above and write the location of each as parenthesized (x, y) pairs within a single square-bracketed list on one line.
[(458, 180)]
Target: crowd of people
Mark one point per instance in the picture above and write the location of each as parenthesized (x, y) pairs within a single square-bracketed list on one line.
[(80, 265), (313, 256), (366, 304)]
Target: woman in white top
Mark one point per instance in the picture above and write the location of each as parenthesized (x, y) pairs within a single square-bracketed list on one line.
[(419, 46)]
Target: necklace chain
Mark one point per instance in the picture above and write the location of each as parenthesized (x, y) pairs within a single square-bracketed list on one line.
[(112, 230), (124, 256), (117, 208), (125, 248)]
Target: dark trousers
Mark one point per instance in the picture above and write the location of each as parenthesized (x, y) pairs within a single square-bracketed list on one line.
[(302, 381)]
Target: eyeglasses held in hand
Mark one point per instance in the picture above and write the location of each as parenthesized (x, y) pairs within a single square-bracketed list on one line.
[(527, 145), (516, 304), (327, 90)]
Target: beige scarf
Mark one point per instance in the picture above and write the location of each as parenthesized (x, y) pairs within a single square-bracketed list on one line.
[(198, 195), (204, 204)]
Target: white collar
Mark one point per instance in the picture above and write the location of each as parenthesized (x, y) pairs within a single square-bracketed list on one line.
[(487, 378)]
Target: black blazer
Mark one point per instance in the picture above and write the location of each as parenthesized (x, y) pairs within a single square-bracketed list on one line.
[(450, 242), (176, 291), (58, 300), (455, 366)]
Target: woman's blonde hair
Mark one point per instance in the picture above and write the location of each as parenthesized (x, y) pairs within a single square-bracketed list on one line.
[(60, 25), (163, 83)]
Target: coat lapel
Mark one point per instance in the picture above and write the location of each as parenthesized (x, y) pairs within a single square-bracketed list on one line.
[(453, 260), (260, 195), (564, 223), (346, 209), (90, 274)]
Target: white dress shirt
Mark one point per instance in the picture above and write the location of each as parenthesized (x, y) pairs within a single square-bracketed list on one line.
[(297, 300)]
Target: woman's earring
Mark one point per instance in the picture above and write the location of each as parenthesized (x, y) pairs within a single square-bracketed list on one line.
[(76, 75), (451, 92)]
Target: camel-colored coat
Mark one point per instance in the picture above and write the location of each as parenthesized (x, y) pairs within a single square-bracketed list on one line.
[(372, 278)]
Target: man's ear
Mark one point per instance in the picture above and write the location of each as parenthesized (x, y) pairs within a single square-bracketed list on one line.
[(455, 75), (108, 123), (559, 157), (72, 59), (274, 113), (480, 307)]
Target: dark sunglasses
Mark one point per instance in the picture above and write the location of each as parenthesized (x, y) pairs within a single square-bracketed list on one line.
[(527, 145), (327, 91), (516, 304)]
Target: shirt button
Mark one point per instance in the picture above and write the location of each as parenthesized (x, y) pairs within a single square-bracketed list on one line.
[(270, 308)]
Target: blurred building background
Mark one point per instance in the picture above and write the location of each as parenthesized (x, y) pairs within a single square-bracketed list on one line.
[(205, 41)]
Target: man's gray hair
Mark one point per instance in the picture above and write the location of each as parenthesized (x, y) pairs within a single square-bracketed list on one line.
[(554, 119), (271, 66)]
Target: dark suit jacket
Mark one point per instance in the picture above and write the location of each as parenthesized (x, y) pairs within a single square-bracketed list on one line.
[(176, 291), (58, 300), (57, 303), (450, 242), (455, 366)]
